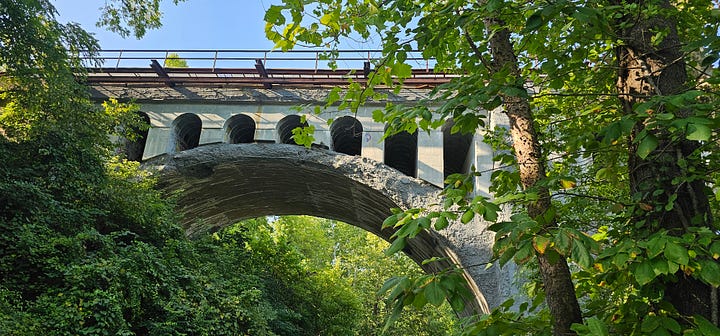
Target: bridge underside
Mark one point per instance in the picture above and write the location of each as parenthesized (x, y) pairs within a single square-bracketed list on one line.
[(221, 184)]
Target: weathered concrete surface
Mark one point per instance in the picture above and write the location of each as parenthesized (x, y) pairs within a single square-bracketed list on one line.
[(290, 95), (222, 184)]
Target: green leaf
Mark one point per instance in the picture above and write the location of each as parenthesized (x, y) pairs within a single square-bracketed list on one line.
[(493, 5), (676, 253), (402, 70), (524, 253), (397, 245), (644, 273), (274, 15), (670, 324), (597, 327), (534, 21), (710, 272), (514, 91), (646, 146), (491, 212), (698, 132), (424, 222), (389, 222), (709, 60), (660, 266), (715, 248), (389, 283), (650, 323), (656, 245), (620, 259), (441, 223), (581, 255), (541, 243), (434, 293), (467, 216), (706, 327), (507, 255), (563, 242)]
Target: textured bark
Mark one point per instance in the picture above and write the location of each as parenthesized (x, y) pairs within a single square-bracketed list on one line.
[(558, 286), (647, 70)]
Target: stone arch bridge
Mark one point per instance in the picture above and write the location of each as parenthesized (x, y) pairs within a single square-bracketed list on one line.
[(222, 138)]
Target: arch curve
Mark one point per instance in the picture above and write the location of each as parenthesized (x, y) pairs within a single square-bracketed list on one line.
[(239, 128), (346, 133), (186, 129), (286, 125), (135, 149), (221, 184)]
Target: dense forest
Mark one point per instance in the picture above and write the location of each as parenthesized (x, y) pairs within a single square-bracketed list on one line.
[(89, 247)]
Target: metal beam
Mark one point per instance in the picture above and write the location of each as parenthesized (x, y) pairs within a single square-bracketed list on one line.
[(161, 73), (263, 73)]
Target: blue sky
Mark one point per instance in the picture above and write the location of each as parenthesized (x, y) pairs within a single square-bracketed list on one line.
[(193, 24)]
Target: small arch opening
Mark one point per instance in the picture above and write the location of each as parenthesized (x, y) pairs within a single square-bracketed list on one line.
[(286, 125), (239, 128), (186, 130), (134, 149), (401, 152), (456, 147), (346, 133)]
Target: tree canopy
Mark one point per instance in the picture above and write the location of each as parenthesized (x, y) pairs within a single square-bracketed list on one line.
[(89, 247), (612, 112)]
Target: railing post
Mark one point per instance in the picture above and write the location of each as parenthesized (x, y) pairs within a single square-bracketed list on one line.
[(215, 60), (117, 64)]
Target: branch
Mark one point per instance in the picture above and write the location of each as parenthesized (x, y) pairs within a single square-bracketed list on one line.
[(598, 198)]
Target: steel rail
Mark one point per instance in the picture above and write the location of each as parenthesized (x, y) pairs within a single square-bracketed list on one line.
[(258, 75)]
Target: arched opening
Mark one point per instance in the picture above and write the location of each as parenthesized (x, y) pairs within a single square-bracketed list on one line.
[(239, 128), (455, 150), (346, 133), (401, 152), (225, 184), (134, 149), (286, 125), (186, 130)]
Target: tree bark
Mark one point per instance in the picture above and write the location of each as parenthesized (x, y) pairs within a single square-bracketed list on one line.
[(559, 289), (646, 70)]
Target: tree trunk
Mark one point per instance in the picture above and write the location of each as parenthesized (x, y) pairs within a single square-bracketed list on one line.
[(647, 70), (558, 286)]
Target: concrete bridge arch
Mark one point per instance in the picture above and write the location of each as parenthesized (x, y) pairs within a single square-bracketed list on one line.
[(221, 184)]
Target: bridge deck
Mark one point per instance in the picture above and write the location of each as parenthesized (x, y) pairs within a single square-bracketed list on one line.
[(249, 77), (250, 68)]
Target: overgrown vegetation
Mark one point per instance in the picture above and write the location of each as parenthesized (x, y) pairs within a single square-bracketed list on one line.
[(88, 247), (612, 144)]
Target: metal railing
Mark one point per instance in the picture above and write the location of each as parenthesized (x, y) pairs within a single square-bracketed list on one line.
[(244, 58), (250, 67)]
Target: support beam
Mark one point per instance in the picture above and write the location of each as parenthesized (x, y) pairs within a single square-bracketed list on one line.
[(161, 72), (262, 72), (366, 69)]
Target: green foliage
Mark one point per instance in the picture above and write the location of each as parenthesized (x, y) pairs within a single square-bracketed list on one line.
[(356, 260), (89, 247), (173, 60), (135, 17), (604, 218)]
